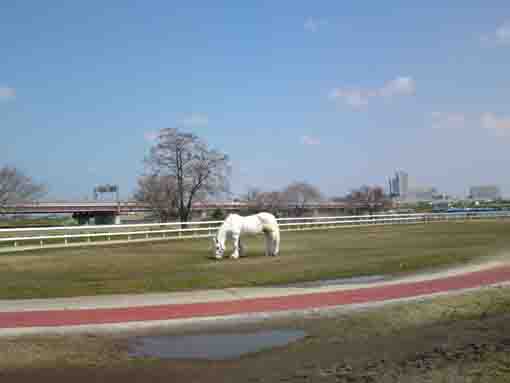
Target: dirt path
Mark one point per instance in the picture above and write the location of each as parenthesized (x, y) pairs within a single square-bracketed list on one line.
[(24, 317), (447, 339)]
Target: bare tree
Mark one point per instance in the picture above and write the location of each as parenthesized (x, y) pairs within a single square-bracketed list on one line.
[(301, 193), (160, 192), (271, 201), (195, 167), (16, 187)]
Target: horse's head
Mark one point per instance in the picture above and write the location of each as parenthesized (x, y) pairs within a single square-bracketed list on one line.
[(219, 248)]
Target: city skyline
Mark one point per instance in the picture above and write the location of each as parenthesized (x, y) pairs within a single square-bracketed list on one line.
[(333, 94)]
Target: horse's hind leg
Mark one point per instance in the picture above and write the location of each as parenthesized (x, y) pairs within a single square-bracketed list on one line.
[(236, 238), (276, 242), (267, 240)]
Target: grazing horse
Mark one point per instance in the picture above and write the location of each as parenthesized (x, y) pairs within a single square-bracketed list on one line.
[(235, 225)]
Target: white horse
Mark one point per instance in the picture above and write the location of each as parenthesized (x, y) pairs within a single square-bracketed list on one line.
[(235, 225)]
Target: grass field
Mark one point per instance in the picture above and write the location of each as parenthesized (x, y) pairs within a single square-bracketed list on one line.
[(36, 222), (305, 256)]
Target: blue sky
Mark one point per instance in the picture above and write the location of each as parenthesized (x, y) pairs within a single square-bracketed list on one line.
[(338, 94)]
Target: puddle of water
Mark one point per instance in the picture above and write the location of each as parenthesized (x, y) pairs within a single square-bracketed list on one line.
[(211, 347), (340, 281)]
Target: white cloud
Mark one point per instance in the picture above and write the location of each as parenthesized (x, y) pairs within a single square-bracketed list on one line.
[(501, 36), (195, 119), (489, 121), (500, 126), (307, 140), (7, 93), (356, 98), (401, 86), (360, 97), (503, 33), (448, 120), (313, 25)]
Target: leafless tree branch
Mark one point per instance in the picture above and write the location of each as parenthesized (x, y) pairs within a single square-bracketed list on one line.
[(16, 187), (195, 169)]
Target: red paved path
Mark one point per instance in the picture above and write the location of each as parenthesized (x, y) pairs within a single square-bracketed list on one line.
[(253, 305)]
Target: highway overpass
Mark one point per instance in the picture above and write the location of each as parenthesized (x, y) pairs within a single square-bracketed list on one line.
[(109, 212)]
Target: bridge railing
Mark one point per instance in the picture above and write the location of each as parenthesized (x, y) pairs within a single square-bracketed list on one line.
[(30, 238)]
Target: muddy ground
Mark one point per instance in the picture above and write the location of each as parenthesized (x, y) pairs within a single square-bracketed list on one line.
[(459, 338)]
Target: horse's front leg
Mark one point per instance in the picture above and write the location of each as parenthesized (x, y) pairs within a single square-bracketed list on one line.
[(236, 237), (241, 248)]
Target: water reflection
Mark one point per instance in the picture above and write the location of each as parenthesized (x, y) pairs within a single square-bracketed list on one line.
[(212, 347)]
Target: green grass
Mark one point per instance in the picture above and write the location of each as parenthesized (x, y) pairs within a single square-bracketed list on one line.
[(305, 256), (36, 222)]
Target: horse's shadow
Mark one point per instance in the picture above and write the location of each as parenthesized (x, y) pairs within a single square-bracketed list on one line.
[(247, 253)]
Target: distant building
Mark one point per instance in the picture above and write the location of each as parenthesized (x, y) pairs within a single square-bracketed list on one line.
[(399, 185), (421, 194), (484, 193), (403, 182), (393, 183)]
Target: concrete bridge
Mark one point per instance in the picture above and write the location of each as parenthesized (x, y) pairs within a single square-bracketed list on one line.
[(109, 212)]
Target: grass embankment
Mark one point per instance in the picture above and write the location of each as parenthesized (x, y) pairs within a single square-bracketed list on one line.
[(305, 256)]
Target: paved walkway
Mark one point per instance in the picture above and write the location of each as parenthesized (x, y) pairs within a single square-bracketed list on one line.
[(89, 314)]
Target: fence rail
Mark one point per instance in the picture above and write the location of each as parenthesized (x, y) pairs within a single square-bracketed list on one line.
[(61, 236)]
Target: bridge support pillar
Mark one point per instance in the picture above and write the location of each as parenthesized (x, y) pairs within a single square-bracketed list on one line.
[(82, 218), (106, 219)]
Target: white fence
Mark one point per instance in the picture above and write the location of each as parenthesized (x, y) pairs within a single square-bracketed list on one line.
[(30, 238)]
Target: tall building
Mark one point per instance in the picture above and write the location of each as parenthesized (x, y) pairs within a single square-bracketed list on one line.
[(393, 187), (484, 192), (403, 183), (399, 185)]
